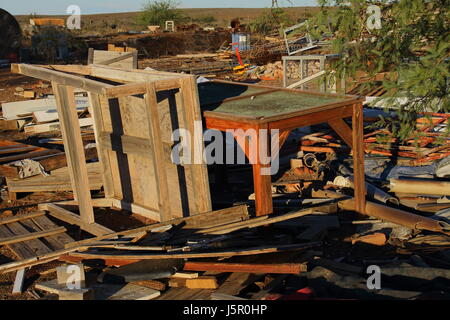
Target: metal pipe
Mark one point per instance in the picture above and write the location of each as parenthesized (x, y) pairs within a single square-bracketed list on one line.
[(417, 186), (372, 191), (403, 218)]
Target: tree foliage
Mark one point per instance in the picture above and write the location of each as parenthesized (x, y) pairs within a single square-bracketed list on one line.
[(271, 20), (412, 45), (157, 12)]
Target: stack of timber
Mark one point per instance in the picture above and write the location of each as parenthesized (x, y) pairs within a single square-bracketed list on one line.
[(40, 115), (58, 180)]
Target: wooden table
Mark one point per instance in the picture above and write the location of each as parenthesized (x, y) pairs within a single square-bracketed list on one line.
[(231, 106)]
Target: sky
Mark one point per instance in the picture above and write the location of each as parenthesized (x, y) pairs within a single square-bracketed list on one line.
[(110, 6)]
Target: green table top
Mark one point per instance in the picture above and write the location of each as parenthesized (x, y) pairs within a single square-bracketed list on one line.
[(263, 105)]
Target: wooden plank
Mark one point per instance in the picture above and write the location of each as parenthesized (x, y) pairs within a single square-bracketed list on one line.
[(199, 171), (204, 220), (48, 162), (358, 158), (124, 144), (204, 282), (343, 130), (125, 76), (22, 251), (288, 268), (103, 157), (263, 220), (37, 247), (73, 145), (48, 241), (58, 241), (59, 180), (72, 218), (35, 259), (59, 77), (31, 236), (130, 89), (18, 282), (28, 155), (51, 115), (228, 253), (21, 217), (158, 152), (55, 126)]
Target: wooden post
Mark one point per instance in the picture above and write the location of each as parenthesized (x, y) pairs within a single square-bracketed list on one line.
[(103, 157), (191, 106), (159, 163), (262, 183), (358, 158), (73, 145)]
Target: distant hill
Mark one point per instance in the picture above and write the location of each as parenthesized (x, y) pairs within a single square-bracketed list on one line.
[(222, 16)]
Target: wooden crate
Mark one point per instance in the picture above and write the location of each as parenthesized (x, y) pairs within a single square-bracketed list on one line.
[(133, 125)]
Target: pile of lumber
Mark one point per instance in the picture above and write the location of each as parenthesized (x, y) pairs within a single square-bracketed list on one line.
[(40, 115)]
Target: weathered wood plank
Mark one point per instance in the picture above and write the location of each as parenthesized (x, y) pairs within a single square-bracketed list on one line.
[(31, 236), (74, 150), (72, 218), (21, 217)]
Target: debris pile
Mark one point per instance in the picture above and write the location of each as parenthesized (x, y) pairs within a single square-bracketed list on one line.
[(89, 181)]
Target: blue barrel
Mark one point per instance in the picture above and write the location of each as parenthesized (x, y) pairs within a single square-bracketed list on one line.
[(240, 40)]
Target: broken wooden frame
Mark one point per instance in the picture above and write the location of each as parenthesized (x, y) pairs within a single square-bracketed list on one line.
[(134, 120)]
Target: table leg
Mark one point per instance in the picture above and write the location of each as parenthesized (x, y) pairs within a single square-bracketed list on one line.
[(262, 183), (358, 158)]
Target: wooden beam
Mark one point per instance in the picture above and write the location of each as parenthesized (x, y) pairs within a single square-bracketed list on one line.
[(287, 268), (73, 145), (32, 235), (72, 218), (60, 78), (132, 75), (21, 217), (343, 130), (124, 144), (159, 162), (130, 89), (198, 221), (191, 114), (227, 253), (358, 158), (103, 155)]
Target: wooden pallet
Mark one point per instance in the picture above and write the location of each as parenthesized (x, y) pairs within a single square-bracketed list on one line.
[(31, 235), (133, 124)]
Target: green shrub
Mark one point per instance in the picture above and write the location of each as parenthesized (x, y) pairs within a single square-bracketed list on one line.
[(157, 12)]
